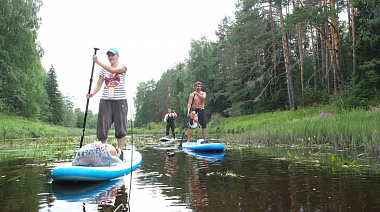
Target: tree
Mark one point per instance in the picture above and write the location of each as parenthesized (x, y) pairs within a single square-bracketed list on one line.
[(202, 67), (55, 98), (287, 57), (20, 68), (145, 103), (69, 118)]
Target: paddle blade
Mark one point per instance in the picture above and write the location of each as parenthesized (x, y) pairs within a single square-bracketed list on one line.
[(154, 135)]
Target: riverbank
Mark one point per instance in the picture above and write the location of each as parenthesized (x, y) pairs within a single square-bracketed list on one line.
[(309, 126), (306, 126), (16, 127)]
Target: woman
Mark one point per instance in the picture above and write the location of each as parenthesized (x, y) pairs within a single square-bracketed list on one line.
[(113, 106)]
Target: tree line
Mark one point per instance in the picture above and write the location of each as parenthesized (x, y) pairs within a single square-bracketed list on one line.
[(272, 55), (26, 88), (276, 55)]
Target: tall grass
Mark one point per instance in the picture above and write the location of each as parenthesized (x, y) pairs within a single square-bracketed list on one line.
[(355, 128), (347, 129)]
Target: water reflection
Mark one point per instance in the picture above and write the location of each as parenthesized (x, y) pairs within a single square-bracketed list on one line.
[(105, 194), (198, 171), (214, 157), (170, 162), (197, 183), (173, 180)]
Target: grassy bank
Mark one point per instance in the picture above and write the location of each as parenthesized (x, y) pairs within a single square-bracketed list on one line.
[(15, 127), (306, 126)]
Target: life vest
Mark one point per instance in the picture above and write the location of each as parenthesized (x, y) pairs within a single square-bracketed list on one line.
[(170, 118)]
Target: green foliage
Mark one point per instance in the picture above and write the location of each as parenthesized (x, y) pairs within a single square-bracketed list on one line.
[(316, 15), (56, 103), (337, 163), (304, 126), (144, 103), (16, 127), (237, 71), (154, 98), (69, 118), (368, 34), (21, 71), (359, 92)]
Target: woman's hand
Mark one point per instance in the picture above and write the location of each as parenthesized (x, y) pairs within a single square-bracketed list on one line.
[(89, 95), (95, 58)]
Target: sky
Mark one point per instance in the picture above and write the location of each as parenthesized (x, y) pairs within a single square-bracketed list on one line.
[(152, 36)]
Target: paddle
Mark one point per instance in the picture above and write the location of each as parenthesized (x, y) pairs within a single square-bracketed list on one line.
[(88, 100), (187, 121), (155, 134)]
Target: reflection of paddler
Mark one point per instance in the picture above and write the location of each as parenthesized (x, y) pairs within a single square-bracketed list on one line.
[(197, 184), (119, 197)]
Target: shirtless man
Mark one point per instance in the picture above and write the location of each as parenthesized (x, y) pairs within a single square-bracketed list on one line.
[(198, 98)]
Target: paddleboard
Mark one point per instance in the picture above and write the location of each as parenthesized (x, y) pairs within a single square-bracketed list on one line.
[(68, 172), (205, 147), (164, 139)]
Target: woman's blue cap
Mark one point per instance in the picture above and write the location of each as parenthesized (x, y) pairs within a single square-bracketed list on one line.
[(113, 50)]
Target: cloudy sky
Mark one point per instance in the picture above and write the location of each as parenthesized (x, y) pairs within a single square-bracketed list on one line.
[(152, 36)]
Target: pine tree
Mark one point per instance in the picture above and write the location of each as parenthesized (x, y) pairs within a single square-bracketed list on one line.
[(55, 98)]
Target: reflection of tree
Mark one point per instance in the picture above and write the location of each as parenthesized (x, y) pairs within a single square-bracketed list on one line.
[(197, 184)]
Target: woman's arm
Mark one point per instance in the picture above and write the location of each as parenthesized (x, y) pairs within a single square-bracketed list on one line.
[(96, 88), (117, 70)]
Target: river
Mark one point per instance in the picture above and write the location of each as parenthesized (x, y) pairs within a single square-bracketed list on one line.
[(241, 179)]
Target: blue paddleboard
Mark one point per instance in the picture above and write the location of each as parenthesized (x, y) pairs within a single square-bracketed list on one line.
[(206, 147), (68, 172)]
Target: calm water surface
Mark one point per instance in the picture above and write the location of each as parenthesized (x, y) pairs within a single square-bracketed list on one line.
[(173, 180)]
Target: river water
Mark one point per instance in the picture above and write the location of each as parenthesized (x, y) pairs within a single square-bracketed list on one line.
[(248, 179)]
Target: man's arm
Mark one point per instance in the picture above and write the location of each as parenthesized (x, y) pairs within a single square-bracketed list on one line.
[(202, 96), (191, 97)]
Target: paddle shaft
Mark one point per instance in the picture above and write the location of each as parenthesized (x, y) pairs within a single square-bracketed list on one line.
[(154, 134), (187, 120), (88, 100)]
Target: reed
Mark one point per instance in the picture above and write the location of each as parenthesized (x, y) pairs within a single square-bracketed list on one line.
[(349, 129)]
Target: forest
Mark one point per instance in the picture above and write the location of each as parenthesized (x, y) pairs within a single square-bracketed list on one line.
[(276, 55), (26, 88), (272, 55)]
